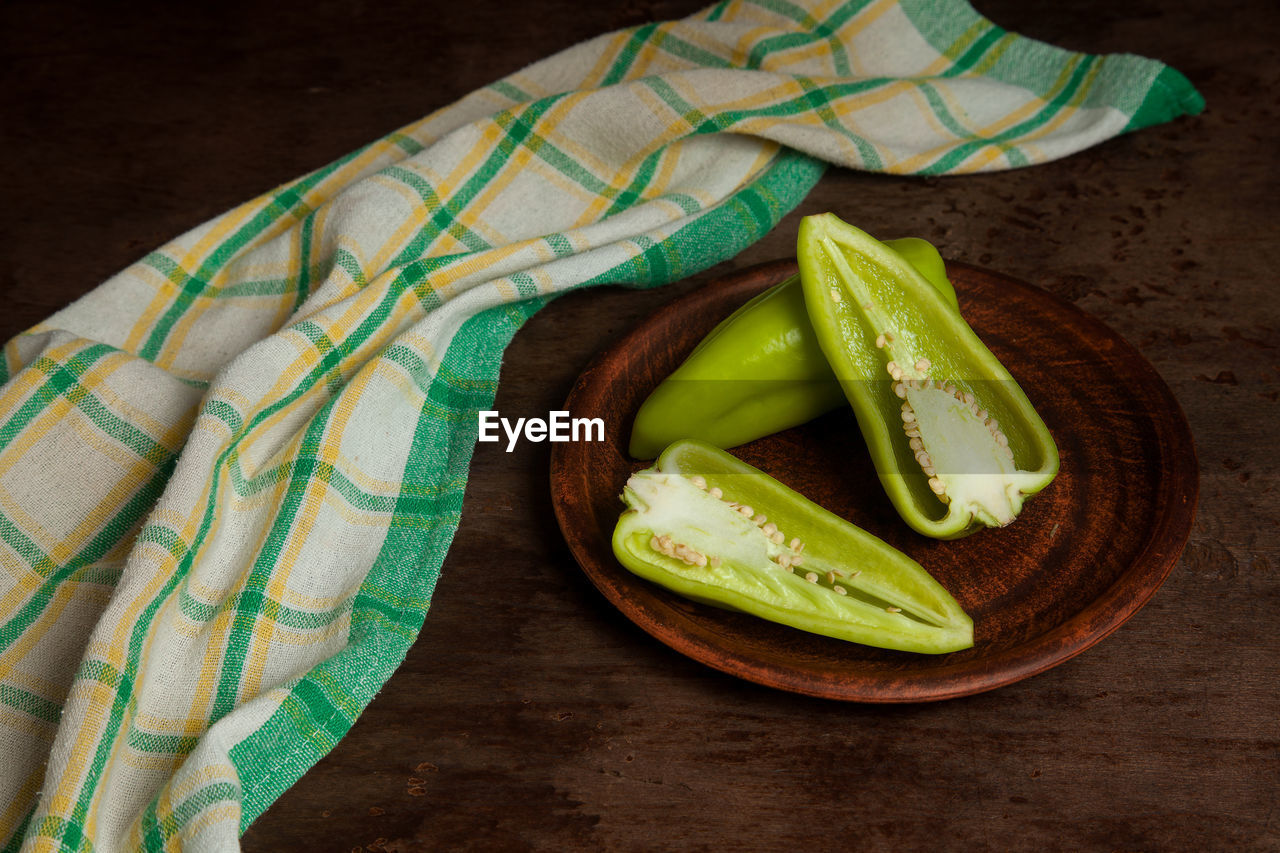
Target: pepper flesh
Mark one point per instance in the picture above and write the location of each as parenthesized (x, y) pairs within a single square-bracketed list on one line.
[(759, 371), (711, 528), (957, 444)]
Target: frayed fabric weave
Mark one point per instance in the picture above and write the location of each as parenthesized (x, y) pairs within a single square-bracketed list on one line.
[(230, 474)]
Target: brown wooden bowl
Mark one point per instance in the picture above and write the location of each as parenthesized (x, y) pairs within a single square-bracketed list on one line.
[(1083, 557)]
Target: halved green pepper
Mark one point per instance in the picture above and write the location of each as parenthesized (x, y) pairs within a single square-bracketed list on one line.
[(759, 371), (956, 442), (714, 529)]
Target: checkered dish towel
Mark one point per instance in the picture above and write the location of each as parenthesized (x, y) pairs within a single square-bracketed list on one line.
[(230, 474)]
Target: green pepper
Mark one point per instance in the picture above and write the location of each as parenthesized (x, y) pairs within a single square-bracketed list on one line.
[(759, 371), (956, 442), (711, 528)]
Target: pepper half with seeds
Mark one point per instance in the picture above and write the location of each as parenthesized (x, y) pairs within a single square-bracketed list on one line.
[(957, 444), (759, 371), (712, 528)]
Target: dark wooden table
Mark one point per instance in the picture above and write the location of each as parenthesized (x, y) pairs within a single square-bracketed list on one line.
[(539, 719)]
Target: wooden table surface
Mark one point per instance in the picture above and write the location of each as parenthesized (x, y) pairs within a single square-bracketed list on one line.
[(539, 719)]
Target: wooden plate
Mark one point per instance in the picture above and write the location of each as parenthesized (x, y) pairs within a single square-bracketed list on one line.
[(1082, 558)]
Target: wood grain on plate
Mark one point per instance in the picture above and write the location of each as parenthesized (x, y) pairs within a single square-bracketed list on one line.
[(1082, 558)]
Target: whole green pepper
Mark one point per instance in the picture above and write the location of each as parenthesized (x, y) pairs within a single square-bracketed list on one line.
[(714, 529), (956, 442), (759, 371)]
